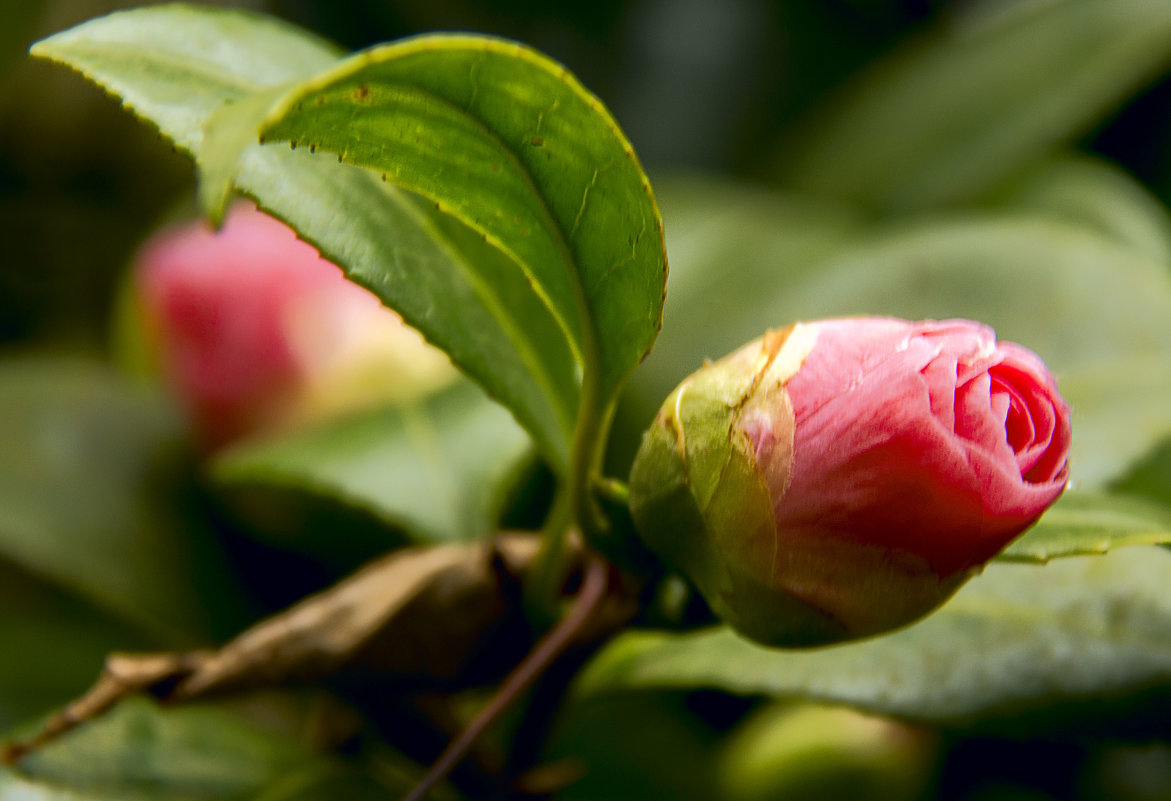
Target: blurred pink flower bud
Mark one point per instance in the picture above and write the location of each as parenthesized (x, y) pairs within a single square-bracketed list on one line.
[(255, 332), (844, 477)]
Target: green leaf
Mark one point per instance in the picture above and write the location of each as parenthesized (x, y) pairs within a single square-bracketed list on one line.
[(178, 66), (439, 468), (13, 785), (92, 497), (1017, 641), (139, 751), (513, 146), (1091, 523), (949, 116), (425, 265)]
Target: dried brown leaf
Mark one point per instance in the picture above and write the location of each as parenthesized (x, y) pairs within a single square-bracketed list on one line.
[(416, 618)]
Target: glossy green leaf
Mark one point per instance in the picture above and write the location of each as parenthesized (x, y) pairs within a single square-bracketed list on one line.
[(439, 275), (178, 66), (1097, 195), (949, 116), (92, 498), (1091, 523), (513, 146), (440, 468), (1017, 640), (192, 753)]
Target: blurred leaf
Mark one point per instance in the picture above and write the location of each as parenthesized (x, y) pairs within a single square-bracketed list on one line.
[(729, 244), (1150, 477), (949, 116), (1131, 772), (15, 786), (191, 753), (1020, 639), (179, 65), (439, 468), (53, 643), (787, 750), (335, 781), (1056, 288), (1119, 410), (1099, 196), (635, 748), (1091, 523), (91, 496), (183, 751), (1095, 310)]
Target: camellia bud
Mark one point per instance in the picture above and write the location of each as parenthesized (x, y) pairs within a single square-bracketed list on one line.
[(254, 331), (840, 478)]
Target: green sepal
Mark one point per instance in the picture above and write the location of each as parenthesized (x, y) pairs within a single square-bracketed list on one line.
[(699, 502)]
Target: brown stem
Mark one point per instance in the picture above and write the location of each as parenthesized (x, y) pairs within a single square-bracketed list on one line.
[(543, 706), (552, 645)]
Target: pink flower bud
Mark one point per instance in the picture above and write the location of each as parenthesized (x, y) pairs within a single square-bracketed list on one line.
[(844, 477), (254, 331)]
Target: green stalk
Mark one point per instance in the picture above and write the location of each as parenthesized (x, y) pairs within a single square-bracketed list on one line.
[(614, 490), (543, 583)]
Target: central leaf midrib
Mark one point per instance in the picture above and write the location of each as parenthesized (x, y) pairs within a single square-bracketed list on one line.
[(499, 311)]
